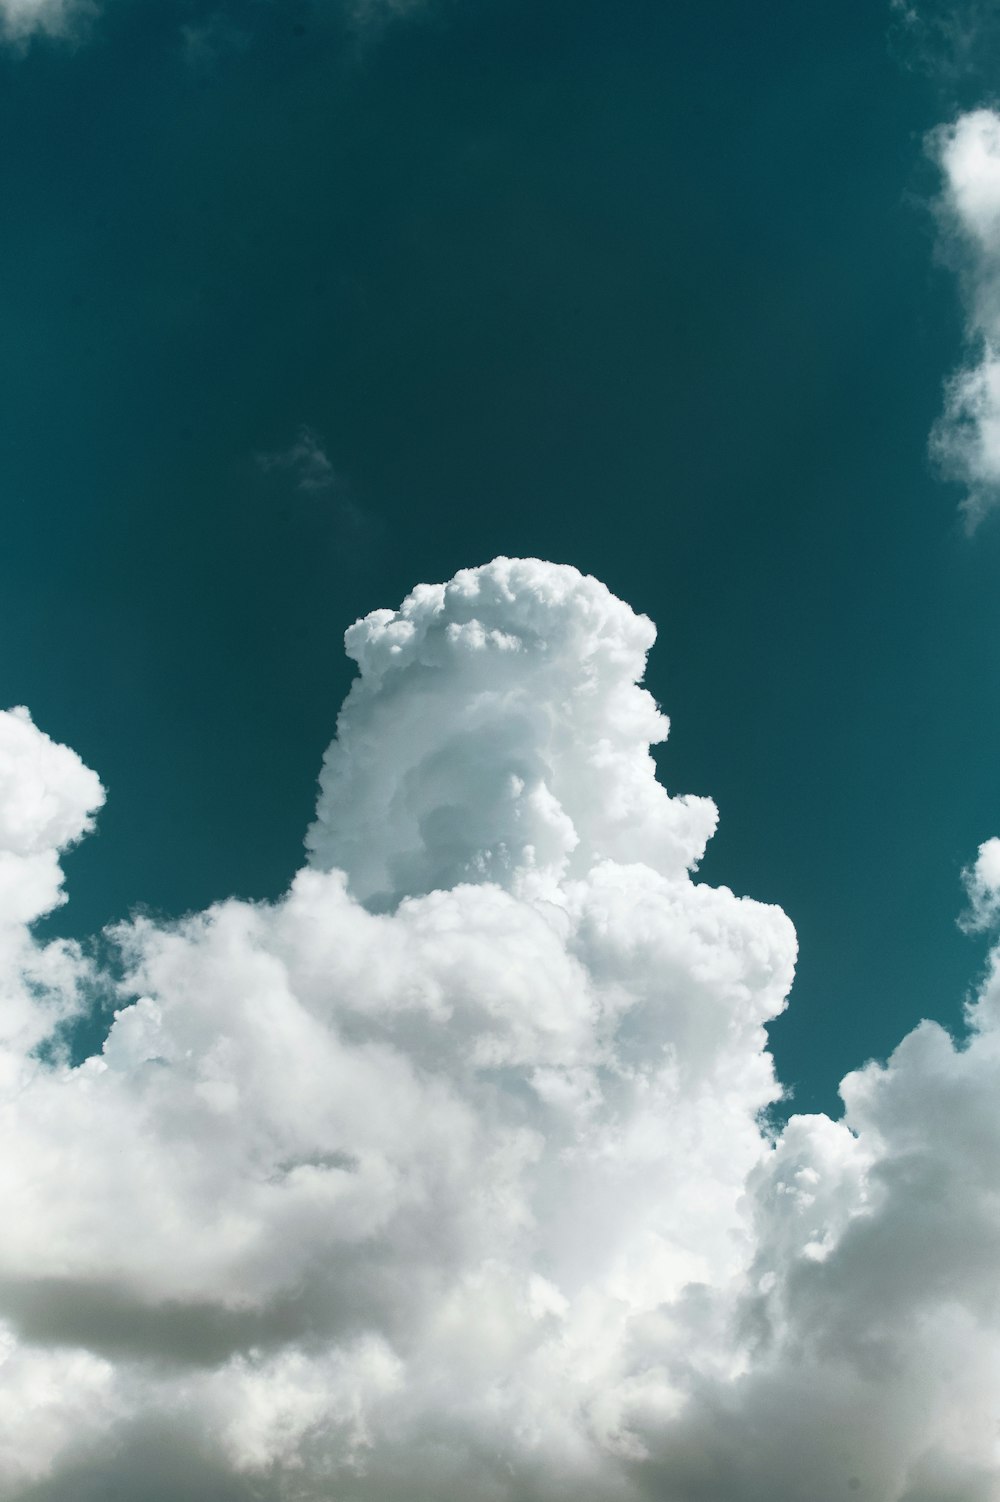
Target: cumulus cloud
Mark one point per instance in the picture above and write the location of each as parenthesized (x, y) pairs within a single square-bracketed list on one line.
[(497, 731), (47, 802), (966, 439), (444, 1177), (204, 40)]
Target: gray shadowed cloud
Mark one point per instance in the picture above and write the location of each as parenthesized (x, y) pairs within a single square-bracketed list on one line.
[(158, 1464), (982, 885)]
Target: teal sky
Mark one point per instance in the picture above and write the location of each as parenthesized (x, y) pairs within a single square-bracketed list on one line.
[(650, 289)]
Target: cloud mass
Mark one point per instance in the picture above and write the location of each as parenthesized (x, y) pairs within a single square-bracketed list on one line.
[(445, 1176)]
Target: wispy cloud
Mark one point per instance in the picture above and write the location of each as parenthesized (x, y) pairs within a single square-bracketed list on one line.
[(22, 19), (982, 885), (306, 467), (305, 462), (209, 40), (375, 13), (948, 39), (966, 439)]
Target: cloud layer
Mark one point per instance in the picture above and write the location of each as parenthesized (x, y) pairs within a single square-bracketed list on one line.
[(444, 1177)]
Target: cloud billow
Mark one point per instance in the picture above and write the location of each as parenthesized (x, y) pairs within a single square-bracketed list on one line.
[(444, 1176)]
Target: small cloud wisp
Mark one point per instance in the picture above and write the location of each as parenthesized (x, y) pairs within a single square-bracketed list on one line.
[(966, 439)]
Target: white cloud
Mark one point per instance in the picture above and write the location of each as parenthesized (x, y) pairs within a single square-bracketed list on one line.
[(966, 439), (982, 883), (47, 801), (497, 732), (443, 1178)]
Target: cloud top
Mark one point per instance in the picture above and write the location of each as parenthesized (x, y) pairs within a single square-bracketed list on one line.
[(497, 732)]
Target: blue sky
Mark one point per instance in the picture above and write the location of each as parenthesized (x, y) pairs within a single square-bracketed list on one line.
[(648, 290), (304, 304)]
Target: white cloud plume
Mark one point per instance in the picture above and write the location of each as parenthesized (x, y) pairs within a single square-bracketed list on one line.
[(443, 1178), (47, 801), (966, 439)]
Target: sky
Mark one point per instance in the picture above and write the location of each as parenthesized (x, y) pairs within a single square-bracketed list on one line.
[(645, 289), (478, 1142)]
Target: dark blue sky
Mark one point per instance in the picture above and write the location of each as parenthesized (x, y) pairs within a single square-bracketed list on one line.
[(646, 288)]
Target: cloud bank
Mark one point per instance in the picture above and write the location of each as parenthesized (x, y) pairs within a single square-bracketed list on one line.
[(966, 439), (444, 1178)]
